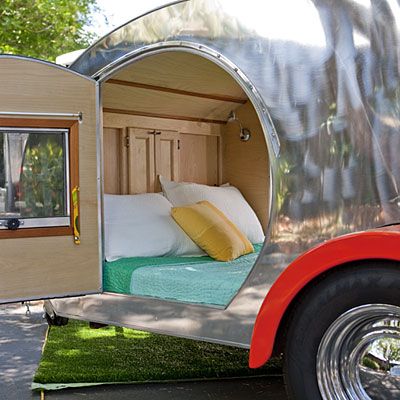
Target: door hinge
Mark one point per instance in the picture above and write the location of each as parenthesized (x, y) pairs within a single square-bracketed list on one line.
[(179, 144), (127, 141)]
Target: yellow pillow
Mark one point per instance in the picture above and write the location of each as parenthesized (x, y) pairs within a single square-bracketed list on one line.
[(211, 230)]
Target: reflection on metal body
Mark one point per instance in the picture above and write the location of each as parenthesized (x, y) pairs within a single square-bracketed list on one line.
[(327, 78), (358, 352)]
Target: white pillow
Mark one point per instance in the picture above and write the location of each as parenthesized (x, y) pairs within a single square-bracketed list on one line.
[(227, 198), (141, 226)]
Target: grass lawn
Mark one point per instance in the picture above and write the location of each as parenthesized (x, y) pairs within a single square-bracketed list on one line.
[(77, 354)]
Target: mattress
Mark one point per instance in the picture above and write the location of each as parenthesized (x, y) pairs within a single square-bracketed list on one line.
[(188, 279)]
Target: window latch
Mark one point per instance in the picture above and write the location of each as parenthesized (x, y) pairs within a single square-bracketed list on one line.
[(11, 223)]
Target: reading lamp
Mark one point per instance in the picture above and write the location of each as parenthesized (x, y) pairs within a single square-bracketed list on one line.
[(245, 134)]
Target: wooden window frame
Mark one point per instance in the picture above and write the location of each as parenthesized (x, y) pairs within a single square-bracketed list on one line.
[(73, 154)]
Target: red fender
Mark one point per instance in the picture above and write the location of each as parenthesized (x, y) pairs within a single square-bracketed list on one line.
[(383, 243)]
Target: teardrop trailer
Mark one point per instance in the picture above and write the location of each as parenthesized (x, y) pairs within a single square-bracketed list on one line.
[(295, 104)]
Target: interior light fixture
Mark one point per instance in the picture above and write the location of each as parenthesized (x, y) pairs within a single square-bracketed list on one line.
[(245, 134)]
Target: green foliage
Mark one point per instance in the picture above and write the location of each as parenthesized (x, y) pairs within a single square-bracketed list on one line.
[(389, 349), (371, 364), (42, 180), (44, 28)]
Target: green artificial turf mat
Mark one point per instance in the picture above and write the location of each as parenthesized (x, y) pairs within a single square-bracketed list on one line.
[(77, 354)]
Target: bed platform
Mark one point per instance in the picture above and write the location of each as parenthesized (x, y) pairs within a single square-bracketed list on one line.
[(200, 280)]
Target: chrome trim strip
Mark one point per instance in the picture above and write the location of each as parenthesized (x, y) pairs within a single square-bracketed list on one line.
[(100, 181), (67, 172), (38, 222), (78, 116), (36, 130)]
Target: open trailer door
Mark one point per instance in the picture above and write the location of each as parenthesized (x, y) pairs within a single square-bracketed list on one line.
[(49, 231)]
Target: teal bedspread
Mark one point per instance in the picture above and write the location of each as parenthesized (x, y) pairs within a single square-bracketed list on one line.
[(189, 279)]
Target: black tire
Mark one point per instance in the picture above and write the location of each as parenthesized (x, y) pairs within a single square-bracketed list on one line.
[(319, 306), (56, 320)]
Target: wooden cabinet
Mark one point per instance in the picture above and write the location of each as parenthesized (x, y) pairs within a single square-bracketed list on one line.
[(167, 152), (135, 157), (140, 160), (146, 154)]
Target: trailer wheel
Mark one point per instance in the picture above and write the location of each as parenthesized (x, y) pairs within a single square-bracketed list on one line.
[(343, 338), (56, 320)]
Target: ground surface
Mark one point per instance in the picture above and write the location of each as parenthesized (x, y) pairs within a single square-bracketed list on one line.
[(21, 340), (77, 353)]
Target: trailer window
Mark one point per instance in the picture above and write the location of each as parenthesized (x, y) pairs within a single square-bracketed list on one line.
[(35, 180)]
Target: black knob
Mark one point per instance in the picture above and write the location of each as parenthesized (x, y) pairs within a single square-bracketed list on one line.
[(13, 224)]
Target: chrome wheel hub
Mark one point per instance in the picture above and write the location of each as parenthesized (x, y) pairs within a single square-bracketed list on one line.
[(359, 355)]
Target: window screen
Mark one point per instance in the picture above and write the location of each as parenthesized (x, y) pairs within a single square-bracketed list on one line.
[(34, 179)]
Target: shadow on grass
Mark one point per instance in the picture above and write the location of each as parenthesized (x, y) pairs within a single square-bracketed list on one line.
[(76, 354)]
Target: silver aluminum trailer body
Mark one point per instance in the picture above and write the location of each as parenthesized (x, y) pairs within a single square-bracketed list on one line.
[(324, 80)]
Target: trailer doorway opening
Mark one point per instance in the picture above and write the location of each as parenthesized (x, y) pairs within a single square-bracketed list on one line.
[(178, 130)]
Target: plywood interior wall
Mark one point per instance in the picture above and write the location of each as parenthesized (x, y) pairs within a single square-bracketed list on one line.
[(245, 164), (182, 71), (200, 159)]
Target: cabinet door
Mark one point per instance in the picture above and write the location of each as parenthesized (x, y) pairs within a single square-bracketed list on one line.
[(141, 165), (166, 156), (49, 228)]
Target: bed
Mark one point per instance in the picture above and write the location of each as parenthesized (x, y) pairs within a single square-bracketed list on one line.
[(199, 280)]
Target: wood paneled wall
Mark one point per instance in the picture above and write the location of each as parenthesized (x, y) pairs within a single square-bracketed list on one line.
[(245, 164), (200, 161), (179, 150)]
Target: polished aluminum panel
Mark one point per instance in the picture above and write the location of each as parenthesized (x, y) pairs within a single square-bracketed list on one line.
[(327, 73)]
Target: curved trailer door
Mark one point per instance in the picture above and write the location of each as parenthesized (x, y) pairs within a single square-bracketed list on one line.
[(48, 181)]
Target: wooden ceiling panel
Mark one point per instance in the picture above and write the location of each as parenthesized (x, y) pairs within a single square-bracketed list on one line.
[(120, 97), (183, 71)]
